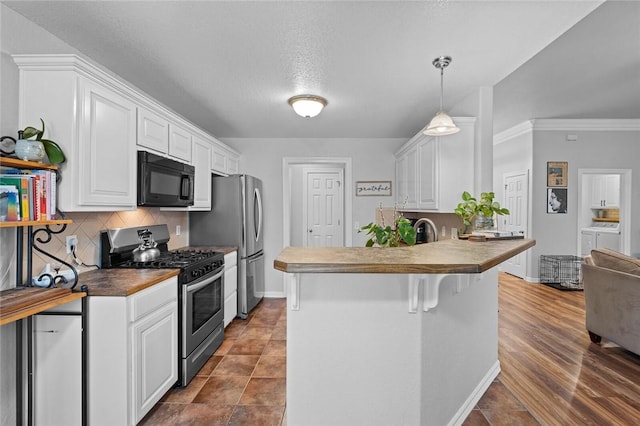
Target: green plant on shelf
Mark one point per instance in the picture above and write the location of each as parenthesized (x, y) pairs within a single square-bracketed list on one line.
[(53, 150)]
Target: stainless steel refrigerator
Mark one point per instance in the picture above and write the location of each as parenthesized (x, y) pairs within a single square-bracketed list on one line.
[(235, 219)]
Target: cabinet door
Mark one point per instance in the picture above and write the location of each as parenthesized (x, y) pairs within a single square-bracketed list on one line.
[(155, 358), (587, 243), (179, 143), (153, 131), (202, 163), (597, 199), (233, 163), (57, 369), (427, 172), (218, 160), (608, 240), (107, 159), (611, 185)]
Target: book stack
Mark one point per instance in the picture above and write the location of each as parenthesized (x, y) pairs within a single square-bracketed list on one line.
[(27, 195)]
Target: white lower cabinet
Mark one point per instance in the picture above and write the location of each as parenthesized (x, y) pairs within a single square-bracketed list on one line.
[(133, 353), (230, 287)]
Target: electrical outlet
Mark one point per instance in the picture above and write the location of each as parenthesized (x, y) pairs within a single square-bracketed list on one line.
[(72, 243), (178, 230)]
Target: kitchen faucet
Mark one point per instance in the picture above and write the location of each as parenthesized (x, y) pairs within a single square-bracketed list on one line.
[(431, 224)]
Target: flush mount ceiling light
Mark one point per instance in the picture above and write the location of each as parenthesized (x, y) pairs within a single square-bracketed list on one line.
[(307, 106), (441, 124)]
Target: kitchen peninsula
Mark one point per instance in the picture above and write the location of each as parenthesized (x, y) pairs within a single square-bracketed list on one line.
[(403, 336)]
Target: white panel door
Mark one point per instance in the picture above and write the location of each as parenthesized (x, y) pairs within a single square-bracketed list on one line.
[(516, 195), (324, 208)]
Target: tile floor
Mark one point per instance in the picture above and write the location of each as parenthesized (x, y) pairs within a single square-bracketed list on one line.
[(243, 384), (244, 381)]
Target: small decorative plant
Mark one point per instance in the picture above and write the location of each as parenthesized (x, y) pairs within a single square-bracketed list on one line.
[(390, 235), (470, 207), (53, 150)]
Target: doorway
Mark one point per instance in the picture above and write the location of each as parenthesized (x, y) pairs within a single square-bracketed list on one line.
[(516, 199), (600, 209), (296, 173)]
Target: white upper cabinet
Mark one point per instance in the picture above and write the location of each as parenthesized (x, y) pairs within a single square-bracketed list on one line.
[(179, 142), (202, 164), (153, 131), (93, 122), (107, 135), (605, 191), (432, 172), (224, 161), (100, 122)]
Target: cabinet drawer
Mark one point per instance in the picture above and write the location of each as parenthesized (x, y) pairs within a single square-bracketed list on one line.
[(152, 298)]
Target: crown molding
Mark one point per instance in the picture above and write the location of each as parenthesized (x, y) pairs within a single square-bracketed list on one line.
[(587, 124), (568, 124), (515, 131)]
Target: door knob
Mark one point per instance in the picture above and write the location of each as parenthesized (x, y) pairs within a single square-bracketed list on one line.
[(310, 230)]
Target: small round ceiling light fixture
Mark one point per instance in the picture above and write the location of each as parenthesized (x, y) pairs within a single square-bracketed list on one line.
[(441, 124), (307, 106)]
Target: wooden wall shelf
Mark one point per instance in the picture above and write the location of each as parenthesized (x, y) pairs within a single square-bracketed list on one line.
[(17, 223), (21, 164)]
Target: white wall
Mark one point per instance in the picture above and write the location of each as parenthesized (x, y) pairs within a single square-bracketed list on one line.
[(601, 144), (372, 159)]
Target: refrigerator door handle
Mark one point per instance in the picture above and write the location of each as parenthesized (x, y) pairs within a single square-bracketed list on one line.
[(258, 201)]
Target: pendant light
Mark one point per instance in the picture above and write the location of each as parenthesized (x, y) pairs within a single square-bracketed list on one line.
[(307, 106), (441, 124)]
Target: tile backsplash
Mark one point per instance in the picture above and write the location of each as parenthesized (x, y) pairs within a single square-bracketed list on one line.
[(87, 227)]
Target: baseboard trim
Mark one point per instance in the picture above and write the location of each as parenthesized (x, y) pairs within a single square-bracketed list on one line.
[(274, 295), (472, 400)]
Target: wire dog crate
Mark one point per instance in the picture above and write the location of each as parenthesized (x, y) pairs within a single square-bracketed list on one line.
[(563, 270)]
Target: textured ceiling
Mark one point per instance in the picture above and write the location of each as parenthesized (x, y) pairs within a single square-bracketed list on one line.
[(230, 67)]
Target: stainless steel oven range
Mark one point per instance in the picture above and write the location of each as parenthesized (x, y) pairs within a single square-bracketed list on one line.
[(200, 288)]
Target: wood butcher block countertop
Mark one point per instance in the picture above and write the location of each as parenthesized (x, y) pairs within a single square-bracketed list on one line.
[(442, 257), (123, 282)]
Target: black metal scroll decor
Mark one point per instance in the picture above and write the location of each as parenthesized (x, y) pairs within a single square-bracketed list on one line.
[(54, 280)]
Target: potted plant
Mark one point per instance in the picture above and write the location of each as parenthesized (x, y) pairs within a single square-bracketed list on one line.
[(390, 235), (471, 209), (52, 149)]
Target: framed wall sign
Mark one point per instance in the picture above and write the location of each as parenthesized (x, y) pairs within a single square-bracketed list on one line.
[(557, 173), (373, 187), (556, 200)]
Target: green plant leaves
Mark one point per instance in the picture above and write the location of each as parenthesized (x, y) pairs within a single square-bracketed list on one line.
[(385, 236), (470, 207), (53, 150)]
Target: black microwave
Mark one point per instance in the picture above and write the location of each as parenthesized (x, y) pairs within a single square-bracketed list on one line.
[(163, 182)]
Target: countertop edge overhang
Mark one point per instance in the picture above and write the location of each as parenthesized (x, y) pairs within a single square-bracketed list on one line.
[(442, 257)]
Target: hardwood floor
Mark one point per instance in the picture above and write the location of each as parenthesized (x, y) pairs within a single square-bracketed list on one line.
[(551, 366)]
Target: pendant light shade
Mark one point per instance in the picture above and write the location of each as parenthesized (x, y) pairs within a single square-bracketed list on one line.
[(307, 106), (441, 124)]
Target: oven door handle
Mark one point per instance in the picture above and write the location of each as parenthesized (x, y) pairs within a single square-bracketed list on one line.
[(196, 287)]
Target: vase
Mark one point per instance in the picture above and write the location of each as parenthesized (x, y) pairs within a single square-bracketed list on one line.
[(483, 223), (29, 150)]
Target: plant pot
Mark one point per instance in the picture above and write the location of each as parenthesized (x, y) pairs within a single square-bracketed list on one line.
[(29, 150), (484, 223)]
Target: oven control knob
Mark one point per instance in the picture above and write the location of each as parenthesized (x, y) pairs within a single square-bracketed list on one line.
[(195, 273)]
